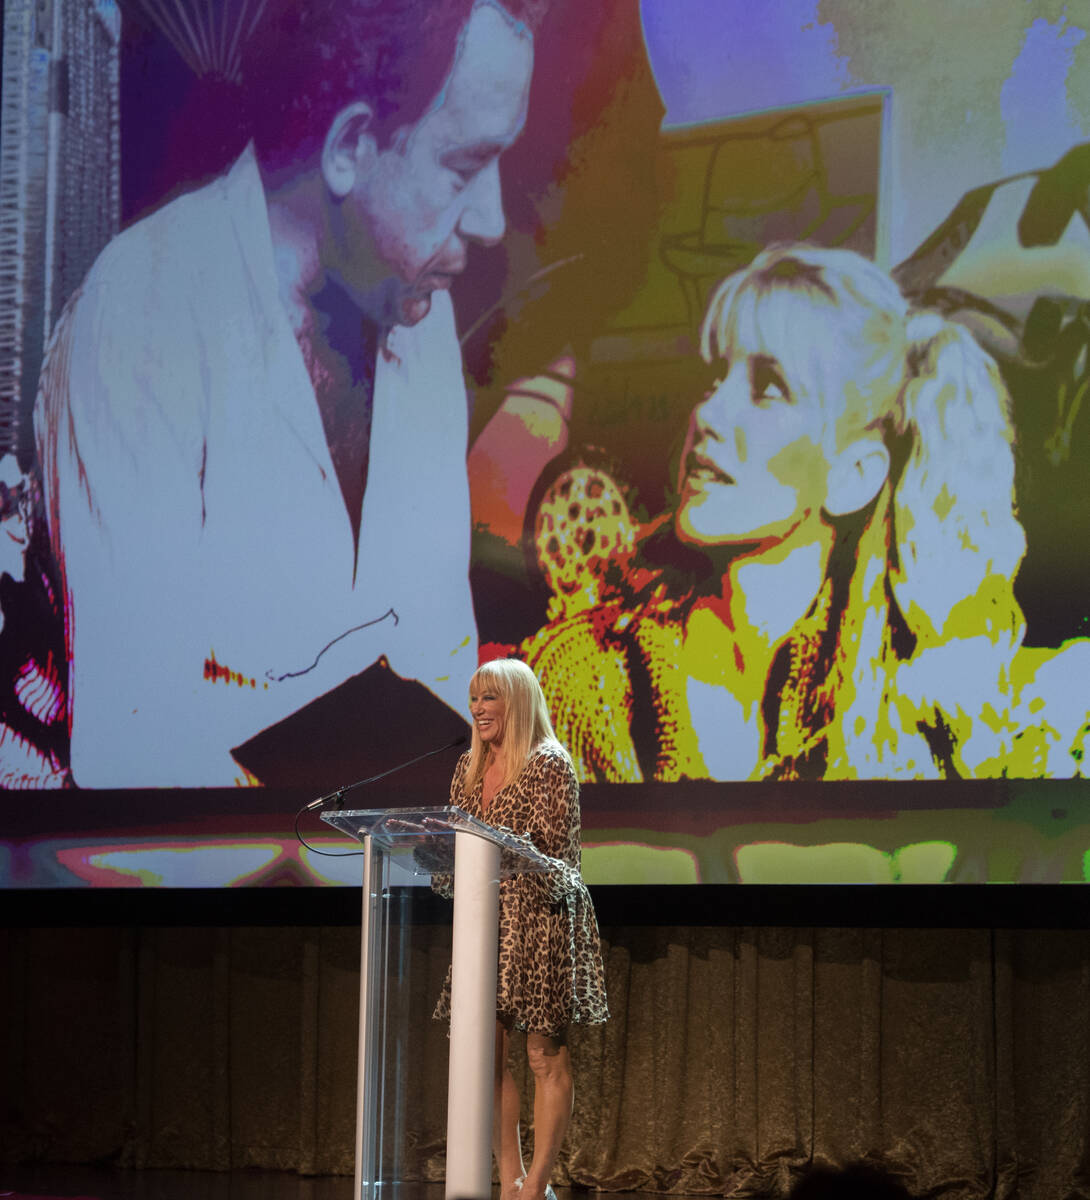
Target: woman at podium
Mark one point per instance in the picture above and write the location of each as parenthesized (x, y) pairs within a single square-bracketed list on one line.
[(517, 777)]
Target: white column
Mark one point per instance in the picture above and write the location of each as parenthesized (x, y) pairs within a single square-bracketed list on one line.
[(367, 1098), (472, 1018)]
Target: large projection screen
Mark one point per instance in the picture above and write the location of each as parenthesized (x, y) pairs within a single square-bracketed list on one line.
[(806, 578)]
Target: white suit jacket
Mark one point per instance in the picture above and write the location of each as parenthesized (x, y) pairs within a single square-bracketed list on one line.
[(211, 584)]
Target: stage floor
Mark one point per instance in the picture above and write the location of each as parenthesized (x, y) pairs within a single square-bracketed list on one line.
[(108, 1183), (104, 1183)]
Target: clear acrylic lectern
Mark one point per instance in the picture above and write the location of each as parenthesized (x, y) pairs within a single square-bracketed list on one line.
[(434, 841)]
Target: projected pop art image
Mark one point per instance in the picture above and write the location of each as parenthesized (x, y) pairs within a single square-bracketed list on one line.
[(726, 366)]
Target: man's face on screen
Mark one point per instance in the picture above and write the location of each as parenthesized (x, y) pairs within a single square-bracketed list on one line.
[(414, 211)]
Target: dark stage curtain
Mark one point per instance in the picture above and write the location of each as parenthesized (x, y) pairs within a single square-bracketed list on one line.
[(959, 1059)]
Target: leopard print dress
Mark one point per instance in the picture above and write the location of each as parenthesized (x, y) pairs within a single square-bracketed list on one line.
[(550, 958)]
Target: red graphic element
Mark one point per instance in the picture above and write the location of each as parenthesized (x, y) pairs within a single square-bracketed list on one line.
[(216, 671), (39, 690), (489, 651)]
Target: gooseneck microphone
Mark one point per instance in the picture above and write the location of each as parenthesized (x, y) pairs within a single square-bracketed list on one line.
[(336, 797)]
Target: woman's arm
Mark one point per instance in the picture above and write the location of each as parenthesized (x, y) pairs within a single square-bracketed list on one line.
[(553, 828)]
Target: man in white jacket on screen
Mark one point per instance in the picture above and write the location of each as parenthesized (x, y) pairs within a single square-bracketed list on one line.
[(252, 501)]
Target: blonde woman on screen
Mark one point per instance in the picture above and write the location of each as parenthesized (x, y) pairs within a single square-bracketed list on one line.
[(847, 610)]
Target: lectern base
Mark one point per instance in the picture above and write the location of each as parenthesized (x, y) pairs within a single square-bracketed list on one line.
[(426, 835)]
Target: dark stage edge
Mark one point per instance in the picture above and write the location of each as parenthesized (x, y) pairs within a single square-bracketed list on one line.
[(103, 1183), (943, 905)]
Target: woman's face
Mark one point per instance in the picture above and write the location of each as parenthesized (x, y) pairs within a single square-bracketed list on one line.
[(757, 463), (488, 710)]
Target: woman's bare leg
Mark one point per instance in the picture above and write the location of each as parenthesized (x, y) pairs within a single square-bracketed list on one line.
[(554, 1094), (506, 1143)]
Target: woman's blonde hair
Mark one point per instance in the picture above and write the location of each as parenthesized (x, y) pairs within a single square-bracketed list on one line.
[(936, 553), (526, 718)]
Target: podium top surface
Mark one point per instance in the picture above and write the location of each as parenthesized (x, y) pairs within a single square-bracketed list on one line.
[(431, 832)]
